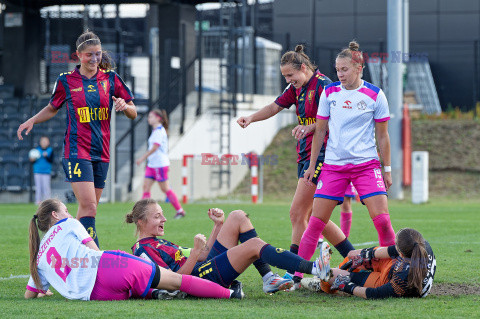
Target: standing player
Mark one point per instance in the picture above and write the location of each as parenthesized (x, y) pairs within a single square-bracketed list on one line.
[(221, 259), (306, 83), (406, 269), (354, 111), (90, 92), (157, 160), (70, 261), (42, 170)]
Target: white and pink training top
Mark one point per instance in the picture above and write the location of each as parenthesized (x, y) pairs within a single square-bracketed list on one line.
[(351, 116)]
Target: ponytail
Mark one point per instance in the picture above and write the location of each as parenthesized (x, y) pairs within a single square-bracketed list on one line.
[(33, 245), (297, 58), (412, 245), (41, 220), (107, 62)]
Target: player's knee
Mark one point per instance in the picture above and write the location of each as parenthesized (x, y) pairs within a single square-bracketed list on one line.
[(88, 209), (238, 215)]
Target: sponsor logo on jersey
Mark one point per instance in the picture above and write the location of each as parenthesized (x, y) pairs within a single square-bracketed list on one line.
[(347, 104), (91, 88), (306, 120), (79, 89), (86, 114), (362, 105)]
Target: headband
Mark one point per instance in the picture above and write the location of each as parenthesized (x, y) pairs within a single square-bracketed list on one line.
[(88, 40)]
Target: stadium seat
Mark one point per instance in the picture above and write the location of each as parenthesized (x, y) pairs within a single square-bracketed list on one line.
[(16, 180), (6, 91)]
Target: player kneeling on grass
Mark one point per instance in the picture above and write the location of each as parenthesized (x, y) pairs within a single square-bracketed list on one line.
[(233, 245), (406, 269), (68, 259)]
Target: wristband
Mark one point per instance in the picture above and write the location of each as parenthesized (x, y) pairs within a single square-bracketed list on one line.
[(387, 169), (348, 288)]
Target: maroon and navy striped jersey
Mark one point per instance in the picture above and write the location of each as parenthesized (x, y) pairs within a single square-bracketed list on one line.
[(306, 101), (89, 106), (162, 252)]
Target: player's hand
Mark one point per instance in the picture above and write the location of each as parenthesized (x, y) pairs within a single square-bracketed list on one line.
[(120, 104), (364, 258), (387, 179), (300, 131), (216, 215), (308, 176), (27, 125), (48, 293), (244, 121), (139, 161), (342, 283), (199, 242)]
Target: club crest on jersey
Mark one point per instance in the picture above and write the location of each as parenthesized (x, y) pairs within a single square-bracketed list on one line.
[(347, 104), (91, 88), (362, 105), (310, 95), (178, 255), (104, 85), (333, 103)]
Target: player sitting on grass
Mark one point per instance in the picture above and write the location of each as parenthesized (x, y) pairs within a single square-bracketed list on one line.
[(221, 258), (69, 260), (406, 269)]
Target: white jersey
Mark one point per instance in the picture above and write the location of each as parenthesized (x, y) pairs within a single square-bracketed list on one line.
[(65, 262), (351, 118), (159, 158)]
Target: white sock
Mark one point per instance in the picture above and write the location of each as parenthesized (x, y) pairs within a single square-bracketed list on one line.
[(267, 276)]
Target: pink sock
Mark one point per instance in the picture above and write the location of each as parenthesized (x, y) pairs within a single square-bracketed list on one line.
[(386, 235), (199, 287), (146, 195), (309, 240), (172, 197), (346, 222)]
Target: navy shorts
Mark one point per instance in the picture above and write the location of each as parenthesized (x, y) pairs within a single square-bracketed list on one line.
[(217, 268), (82, 170), (303, 166)]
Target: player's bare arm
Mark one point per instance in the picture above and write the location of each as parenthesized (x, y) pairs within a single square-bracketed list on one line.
[(321, 127), (381, 132), (44, 115), (265, 113)]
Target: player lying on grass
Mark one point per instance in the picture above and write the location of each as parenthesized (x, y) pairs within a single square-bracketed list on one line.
[(221, 258), (406, 269), (68, 259)]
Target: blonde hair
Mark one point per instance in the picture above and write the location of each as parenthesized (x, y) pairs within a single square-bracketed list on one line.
[(297, 58), (139, 212), (41, 220), (353, 52)]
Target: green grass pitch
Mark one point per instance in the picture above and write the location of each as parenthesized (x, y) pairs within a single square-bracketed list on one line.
[(452, 228)]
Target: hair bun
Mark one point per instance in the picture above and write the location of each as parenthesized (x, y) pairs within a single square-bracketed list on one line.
[(299, 48), (129, 218), (354, 46)]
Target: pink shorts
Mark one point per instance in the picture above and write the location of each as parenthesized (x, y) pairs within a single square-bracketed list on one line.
[(350, 191), (366, 178), (121, 275), (160, 174)]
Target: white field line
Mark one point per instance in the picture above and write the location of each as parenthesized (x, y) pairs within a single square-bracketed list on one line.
[(14, 277)]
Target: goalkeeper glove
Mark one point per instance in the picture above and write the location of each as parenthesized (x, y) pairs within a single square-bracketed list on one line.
[(364, 259), (344, 284)]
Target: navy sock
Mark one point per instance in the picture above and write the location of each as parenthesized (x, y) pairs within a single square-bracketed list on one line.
[(344, 247), (294, 249), (89, 224), (286, 260), (262, 267)]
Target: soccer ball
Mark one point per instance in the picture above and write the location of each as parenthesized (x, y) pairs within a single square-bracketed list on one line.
[(34, 154)]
